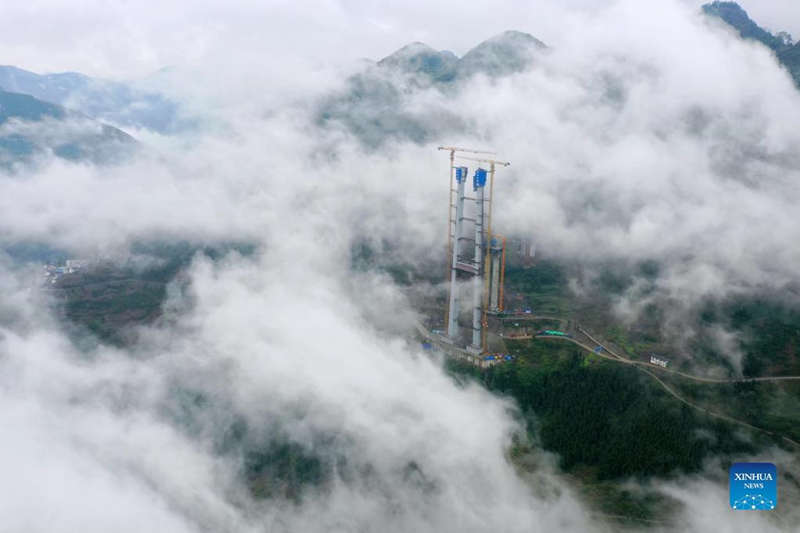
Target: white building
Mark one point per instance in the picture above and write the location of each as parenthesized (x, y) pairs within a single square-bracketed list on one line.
[(660, 362)]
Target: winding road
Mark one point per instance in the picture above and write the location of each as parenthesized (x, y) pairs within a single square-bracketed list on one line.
[(446, 345), (676, 372), (641, 366)]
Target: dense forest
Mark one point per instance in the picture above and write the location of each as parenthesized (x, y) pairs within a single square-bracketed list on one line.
[(608, 419)]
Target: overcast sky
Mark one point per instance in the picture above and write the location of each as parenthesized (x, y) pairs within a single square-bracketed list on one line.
[(775, 15), (133, 39)]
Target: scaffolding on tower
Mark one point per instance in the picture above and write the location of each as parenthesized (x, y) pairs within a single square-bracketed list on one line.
[(487, 263)]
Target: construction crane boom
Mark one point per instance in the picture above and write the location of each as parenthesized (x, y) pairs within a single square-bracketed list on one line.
[(470, 150)]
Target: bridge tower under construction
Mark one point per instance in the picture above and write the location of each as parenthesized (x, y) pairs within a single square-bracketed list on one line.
[(476, 269), (456, 237), (479, 189)]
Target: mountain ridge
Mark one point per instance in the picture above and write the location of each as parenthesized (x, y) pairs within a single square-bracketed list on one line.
[(502, 54), (372, 105), (31, 127), (731, 13), (103, 100)]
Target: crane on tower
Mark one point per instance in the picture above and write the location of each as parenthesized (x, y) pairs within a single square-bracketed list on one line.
[(481, 264), (487, 256), (451, 223)]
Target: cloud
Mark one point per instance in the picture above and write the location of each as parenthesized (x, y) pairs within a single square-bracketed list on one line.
[(91, 426), (623, 148), (636, 137)]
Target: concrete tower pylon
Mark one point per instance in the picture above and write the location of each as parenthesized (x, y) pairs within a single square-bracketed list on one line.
[(458, 228), (479, 188), (479, 267)]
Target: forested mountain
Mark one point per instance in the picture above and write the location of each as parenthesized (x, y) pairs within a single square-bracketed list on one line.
[(785, 49), (505, 53), (374, 104), (30, 127), (108, 101)]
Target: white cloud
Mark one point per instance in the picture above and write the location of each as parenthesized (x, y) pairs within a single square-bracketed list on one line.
[(636, 137)]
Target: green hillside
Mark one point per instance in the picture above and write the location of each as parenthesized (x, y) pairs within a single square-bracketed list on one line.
[(30, 127)]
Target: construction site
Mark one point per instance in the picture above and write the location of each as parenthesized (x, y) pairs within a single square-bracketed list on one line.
[(474, 310), (476, 323), (476, 256)]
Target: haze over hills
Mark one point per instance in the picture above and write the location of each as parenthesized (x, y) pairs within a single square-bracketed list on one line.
[(505, 53), (374, 105), (30, 127), (239, 334), (787, 51), (119, 103)]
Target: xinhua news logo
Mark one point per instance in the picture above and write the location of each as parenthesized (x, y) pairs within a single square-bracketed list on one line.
[(754, 486)]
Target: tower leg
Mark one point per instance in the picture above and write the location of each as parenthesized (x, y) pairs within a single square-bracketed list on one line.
[(452, 325), (477, 282)]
